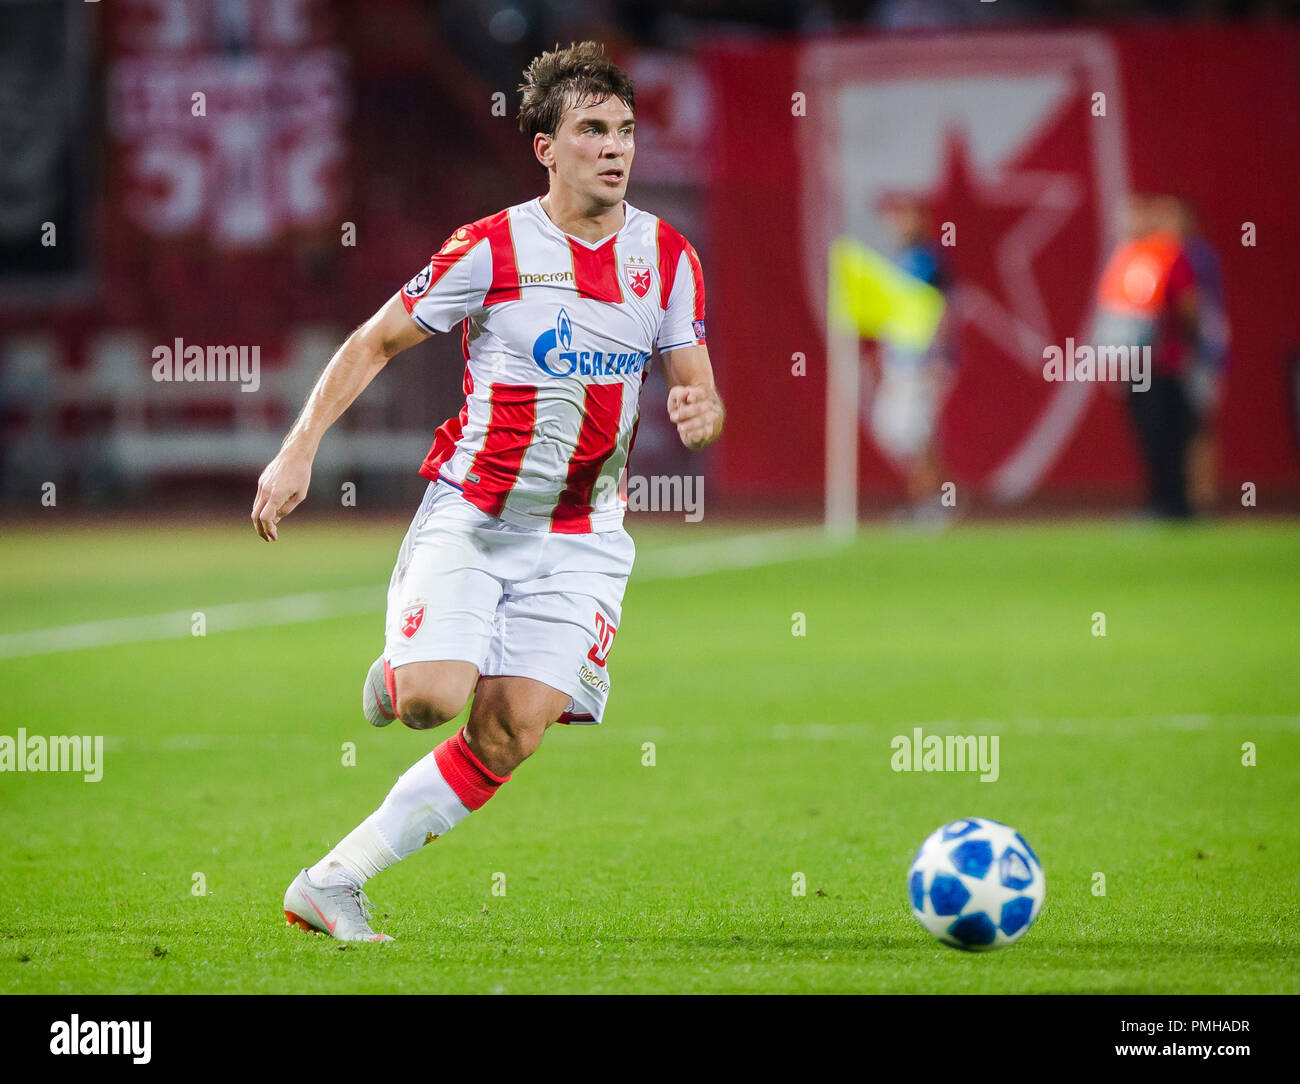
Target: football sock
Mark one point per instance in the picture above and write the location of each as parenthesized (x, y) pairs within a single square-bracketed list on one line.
[(358, 856), (430, 798)]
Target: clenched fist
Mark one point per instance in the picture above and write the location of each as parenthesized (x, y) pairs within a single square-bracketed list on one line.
[(697, 412)]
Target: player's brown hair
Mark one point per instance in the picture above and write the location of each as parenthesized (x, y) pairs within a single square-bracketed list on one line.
[(565, 79)]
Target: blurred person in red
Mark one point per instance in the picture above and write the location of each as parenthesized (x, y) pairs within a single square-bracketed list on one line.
[(1147, 300)]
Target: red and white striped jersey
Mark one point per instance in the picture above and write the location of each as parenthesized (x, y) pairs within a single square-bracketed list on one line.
[(557, 337)]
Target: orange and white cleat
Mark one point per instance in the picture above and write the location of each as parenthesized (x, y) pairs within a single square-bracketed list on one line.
[(342, 911)]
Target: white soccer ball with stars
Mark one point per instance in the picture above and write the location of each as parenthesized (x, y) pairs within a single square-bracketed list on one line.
[(976, 884)]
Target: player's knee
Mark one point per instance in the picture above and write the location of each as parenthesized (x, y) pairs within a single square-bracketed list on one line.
[(425, 709), (505, 739), (505, 750), (519, 741)]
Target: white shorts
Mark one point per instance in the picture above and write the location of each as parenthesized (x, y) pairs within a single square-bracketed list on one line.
[(904, 409), (511, 601)]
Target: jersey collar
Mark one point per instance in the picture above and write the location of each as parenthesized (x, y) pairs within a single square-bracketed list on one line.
[(540, 211)]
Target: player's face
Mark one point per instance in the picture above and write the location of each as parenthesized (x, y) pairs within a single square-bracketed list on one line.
[(593, 151)]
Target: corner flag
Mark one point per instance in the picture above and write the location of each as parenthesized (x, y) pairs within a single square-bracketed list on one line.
[(870, 295)]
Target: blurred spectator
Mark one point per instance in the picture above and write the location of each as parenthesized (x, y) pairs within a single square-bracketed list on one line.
[(913, 383), (917, 14), (1209, 358), (1147, 301)]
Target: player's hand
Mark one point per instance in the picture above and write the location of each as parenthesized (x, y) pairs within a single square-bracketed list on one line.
[(280, 490), (696, 410)]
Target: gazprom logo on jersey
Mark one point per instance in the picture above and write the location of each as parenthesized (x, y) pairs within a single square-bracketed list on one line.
[(553, 354)]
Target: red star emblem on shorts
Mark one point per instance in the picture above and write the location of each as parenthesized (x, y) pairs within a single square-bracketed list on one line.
[(412, 617)]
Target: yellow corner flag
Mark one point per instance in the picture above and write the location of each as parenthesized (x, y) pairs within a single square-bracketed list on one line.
[(869, 294)]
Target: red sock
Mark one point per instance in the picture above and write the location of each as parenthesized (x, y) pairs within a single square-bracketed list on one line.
[(465, 773)]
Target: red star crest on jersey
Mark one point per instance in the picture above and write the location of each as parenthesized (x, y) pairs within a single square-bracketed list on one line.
[(412, 618), (637, 279)]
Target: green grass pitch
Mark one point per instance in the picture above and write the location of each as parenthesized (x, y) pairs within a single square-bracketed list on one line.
[(1119, 755)]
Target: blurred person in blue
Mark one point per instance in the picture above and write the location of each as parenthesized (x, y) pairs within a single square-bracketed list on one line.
[(914, 383)]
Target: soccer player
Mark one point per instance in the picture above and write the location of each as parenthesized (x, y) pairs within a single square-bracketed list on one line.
[(509, 584)]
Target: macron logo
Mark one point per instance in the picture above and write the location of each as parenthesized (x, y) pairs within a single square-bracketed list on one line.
[(77, 1036)]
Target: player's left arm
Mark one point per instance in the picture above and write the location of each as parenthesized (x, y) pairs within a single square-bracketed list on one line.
[(694, 405)]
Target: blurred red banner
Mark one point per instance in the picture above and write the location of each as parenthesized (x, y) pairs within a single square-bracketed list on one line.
[(1003, 135)]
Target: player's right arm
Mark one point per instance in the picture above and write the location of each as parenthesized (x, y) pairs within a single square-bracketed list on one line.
[(283, 485)]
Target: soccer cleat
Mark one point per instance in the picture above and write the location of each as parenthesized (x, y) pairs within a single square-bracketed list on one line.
[(342, 911), (376, 696)]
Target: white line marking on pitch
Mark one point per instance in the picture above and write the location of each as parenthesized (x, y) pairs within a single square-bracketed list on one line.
[(678, 562), (875, 733)]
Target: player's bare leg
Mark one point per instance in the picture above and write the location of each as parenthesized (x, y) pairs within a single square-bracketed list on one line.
[(421, 694), (509, 717), (431, 693), (506, 724)]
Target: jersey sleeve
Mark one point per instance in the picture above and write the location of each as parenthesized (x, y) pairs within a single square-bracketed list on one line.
[(453, 284), (683, 322)]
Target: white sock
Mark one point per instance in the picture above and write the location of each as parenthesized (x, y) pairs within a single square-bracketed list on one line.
[(356, 858), (420, 808)]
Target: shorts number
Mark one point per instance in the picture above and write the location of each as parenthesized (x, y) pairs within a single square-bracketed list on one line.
[(604, 640)]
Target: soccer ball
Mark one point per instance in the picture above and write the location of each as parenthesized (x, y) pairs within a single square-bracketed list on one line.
[(976, 884)]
